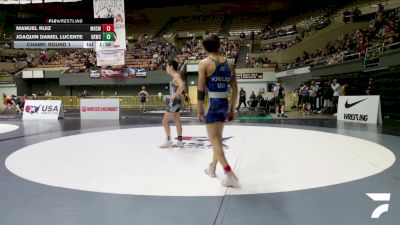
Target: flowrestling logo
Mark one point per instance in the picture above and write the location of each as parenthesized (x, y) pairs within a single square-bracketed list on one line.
[(379, 197), (193, 142)]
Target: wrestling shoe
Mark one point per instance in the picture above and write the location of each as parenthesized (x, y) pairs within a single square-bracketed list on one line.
[(178, 144), (210, 171), (167, 144), (230, 180)]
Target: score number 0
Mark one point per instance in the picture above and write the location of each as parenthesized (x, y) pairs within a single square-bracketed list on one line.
[(108, 32)]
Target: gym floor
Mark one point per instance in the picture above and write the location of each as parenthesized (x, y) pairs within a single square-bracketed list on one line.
[(297, 170)]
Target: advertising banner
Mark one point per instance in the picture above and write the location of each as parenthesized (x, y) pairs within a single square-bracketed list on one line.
[(360, 109), (43, 110), (100, 109)]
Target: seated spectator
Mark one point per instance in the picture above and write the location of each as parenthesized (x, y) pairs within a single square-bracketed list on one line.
[(259, 97), (48, 93)]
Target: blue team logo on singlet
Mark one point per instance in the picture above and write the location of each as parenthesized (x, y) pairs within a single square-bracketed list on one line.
[(201, 142), (220, 79)]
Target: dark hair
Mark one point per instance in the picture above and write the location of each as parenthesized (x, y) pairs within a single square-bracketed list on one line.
[(211, 43), (174, 64)]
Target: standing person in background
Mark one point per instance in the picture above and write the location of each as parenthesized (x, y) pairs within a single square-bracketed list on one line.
[(344, 90), (252, 98), (242, 98), (143, 95), (305, 90), (173, 105), (336, 93), (216, 75), (48, 93), (279, 94), (300, 102), (187, 100), (320, 99), (328, 96), (313, 96), (372, 89), (259, 96)]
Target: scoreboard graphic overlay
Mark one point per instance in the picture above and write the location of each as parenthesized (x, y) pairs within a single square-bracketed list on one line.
[(65, 33)]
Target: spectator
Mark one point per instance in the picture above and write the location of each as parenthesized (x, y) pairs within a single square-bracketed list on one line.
[(279, 94), (187, 102), (259, 97), (252, 96), (29, 60), (372, 89), (300, 94), (313, 96), (242, 98), (143, 96), (85, 94), (48, 93), (252, 36), (328, 96), (88, 64), (346, 16), (336, 93), (242, 35), (305, 93), (356, 14), (344, 90)]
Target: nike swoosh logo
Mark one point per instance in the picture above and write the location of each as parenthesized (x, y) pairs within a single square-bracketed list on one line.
[(347, 105)]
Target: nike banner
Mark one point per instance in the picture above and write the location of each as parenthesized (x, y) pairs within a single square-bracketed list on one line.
[(360, 109)]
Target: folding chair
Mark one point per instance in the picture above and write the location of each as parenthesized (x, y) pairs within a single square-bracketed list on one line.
[(253, 105), (262, 108)]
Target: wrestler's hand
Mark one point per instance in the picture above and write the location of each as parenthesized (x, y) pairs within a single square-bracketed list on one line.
[(231, 116), (200, 117)]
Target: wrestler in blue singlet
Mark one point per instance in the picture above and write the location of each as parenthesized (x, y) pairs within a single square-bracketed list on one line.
[(217, 85)]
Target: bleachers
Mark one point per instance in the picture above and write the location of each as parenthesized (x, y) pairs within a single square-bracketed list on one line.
[(247, 24), (148, 28), (378, 33), (190, 52), (139, 55), (198, 23)]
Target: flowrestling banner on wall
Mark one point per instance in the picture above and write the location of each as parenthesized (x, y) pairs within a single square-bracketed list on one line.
[(128, 72)]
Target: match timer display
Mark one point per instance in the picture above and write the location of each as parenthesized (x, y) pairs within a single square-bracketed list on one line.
[(65, 33)]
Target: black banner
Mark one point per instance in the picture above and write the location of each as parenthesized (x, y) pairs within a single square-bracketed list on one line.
[(258, 76)]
